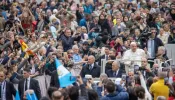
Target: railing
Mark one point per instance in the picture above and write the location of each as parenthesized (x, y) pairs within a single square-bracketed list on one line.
[(170, 50)]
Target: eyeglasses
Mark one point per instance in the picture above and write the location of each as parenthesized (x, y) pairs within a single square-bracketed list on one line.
[(153, 32)]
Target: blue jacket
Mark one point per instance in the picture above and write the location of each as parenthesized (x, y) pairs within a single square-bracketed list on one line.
[(116, 96), (83, 22), (67, 42), (88, 9), (120, 94)]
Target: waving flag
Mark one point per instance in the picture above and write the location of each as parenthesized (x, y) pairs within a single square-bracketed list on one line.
[(63, 75), (31, 96), (17, 97), (25, 47)]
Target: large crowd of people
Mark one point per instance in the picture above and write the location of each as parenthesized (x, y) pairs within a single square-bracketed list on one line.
[(128, 35)]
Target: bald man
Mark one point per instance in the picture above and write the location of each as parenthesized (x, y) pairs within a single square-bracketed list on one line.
[(133, 54), (91, 68), (57, 95)]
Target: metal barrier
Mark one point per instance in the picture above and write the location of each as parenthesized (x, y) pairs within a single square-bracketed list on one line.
[(157, 61), (103, 63), (170, 50)]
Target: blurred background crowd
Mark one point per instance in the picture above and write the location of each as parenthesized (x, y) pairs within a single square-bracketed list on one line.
[(114, 49)]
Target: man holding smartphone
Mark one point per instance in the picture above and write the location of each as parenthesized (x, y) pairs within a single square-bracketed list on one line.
[(145, 69)]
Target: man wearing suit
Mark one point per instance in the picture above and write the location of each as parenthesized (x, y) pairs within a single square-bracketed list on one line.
[(28, 83), (91, 68), (115, 71), (6, 88), (153, 43), (105, 56)]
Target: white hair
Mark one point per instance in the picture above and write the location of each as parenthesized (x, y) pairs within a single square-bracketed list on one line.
[(74, 47), (117, 62), (133, 43), (162, 48)]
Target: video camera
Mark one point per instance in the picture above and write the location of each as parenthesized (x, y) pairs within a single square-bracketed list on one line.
[(145, 33)]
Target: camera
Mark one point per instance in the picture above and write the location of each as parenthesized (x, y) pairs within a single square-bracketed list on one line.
[(145, 33), (166, 69)]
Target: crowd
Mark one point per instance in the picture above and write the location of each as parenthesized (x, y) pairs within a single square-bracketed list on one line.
[(82, 34)]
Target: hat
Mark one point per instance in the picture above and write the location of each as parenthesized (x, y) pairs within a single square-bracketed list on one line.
[(85, 43)]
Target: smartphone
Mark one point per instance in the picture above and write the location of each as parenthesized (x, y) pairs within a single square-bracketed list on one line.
[(123, 77), (165, 69), (173, 68), (166, 80), (136, 69), (73, 78), (63, 54)]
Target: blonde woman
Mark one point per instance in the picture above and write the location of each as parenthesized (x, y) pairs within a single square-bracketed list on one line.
[(27, 18)]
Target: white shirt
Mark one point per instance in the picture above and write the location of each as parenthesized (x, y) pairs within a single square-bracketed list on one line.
[(28, 83), (33, 69), (92, 66), (116, 72), (137, 55)]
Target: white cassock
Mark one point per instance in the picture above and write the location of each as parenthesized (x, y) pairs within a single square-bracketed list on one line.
[(132, 56)]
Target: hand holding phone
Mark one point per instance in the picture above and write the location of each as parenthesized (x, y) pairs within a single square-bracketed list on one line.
[(136, 69), (124, 77)]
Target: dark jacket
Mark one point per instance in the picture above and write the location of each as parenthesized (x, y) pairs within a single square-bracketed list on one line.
[(99, 60), (54, 82), (157, 43), (110, 73), (171, 39), (10, 90), (147, 74), (83, 92), (50, 67), (67, 42), (95, 72), (79, 16), (104, 25), (34, 85), (108, 66), (120, 94)]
